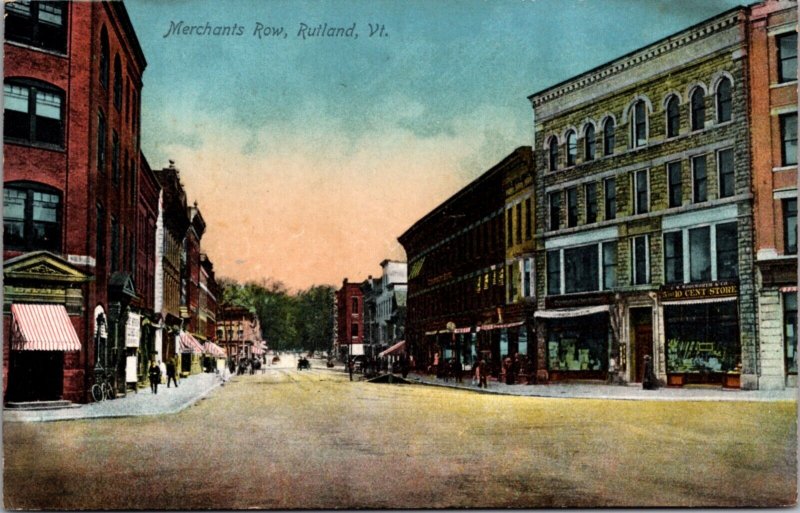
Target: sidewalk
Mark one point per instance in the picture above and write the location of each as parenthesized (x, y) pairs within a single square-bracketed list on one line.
[(166, 401), (619, 392)]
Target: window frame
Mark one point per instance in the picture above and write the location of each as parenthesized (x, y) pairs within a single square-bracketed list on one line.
[(785, 121), (677, 257), (786, 76), (117, 83), (29, 243), (34, 87), (674, 200), (590, 200), (721, 101), (697, 109), (609, 137), (695, 181), (789, 318), (722, 178), (610, 202), (788, 232), (31, 27), (554, 209), (553, 272), (571, 143), (105, 58), (673, 113), (528, 219), (638, 207), (638, 121), (589, 143), (572, 207), (635, 260), (552, 153)]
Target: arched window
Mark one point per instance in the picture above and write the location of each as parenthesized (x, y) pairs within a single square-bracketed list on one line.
[(553, 154), (608, 137), (673, 116), (572, 148), (588, 143), (104, 58), (31, 217), (117, 83), (34, 112), (724, 105), (638, 122), (698, 105)]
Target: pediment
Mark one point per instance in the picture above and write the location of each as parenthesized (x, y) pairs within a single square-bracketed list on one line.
[(122, 283), (42, 266)]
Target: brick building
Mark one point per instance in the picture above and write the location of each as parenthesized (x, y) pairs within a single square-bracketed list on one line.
[(349, 320), (773, 132), (644, 229), (71, 158), (456, 273), (238, 331)]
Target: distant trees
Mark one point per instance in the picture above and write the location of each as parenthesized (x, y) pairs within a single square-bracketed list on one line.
[(303, 320)]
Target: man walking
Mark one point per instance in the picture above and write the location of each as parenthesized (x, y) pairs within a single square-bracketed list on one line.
[(171, 373), (155, 376)]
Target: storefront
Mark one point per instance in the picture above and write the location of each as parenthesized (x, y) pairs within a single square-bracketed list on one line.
[(701, 329), (576, 342)]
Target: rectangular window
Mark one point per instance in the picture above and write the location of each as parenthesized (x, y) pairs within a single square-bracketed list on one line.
[(640, 260), (699, 192), (510, 226), (39, 24), (673, 257), (725, 167), (590, 191), (572, 207), (787, 57), (788, 139), (528, 219), (609, 265), (610, 192), (790, 331), (581, 269), (512, 291), (790, 226), (700, 254), (554, 200), (553, 273), (727, 251), (14, 218), (115, 157), (519, 223), (527, 277), (641, 193), (675, 184)]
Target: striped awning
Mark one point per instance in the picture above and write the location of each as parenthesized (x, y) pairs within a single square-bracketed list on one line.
[(214, 350), (257, 350), (189, 344), (395, 348), (43, 328)]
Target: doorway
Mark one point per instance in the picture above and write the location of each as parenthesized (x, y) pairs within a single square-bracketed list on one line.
[(35, 376), (641, 339)]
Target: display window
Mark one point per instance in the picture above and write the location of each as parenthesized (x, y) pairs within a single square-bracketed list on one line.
[(790, 331), (578, 345), (702, 338)]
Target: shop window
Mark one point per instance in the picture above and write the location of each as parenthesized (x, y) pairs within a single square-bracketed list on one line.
[(114, 157), (724, 101), (702, 338), (610, 198), (787, 57), (641, 195), (578, 346), (581, 269), (700, 254), (641, 257), (675, 185), (554, 200), (790, 331), (553, 153), (572, 148), (699, 180), (31, 217), (39, 24), (609, 265), (725, 168), (553, 273), (727, 251), (788, 139), (698, 108), (572, 207), (590, 192), (790, 226), (104, 58), (588, 143), (117, 83), (510, 227), (673, 116), (528, 219), (608, 137), (33, 112), (519, 223), (638, 124), (673, 257)]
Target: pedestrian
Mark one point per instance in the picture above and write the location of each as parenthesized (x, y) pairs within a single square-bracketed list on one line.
[(482, 370), (445, 370), (516, 366), (171, 373), (649, 381), (155, 376), (225, 375), (350, 367), (458, 370), (507, 365), (404, 366)]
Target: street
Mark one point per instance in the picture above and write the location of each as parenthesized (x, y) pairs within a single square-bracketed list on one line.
[(313, 439)]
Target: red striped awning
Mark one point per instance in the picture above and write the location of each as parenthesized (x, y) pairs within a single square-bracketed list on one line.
[(395, 348), (43, 328), (189, 344), (214, 350), (257, 350)]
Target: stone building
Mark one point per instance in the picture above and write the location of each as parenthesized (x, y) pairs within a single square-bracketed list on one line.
[(773, 134), (644, 215)]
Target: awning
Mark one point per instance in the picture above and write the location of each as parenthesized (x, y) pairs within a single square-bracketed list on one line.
[(214, 350), (682, 302), (43, 328), (395, 348), (488, 327), (189, 344), (257, 350), (563, 313)]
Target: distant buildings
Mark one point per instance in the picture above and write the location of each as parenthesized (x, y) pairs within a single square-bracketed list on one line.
[(349, 320)]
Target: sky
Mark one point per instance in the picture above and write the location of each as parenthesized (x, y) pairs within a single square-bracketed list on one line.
[(308, 156)]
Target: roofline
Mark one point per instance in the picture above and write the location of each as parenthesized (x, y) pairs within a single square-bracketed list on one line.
[(122, 12)]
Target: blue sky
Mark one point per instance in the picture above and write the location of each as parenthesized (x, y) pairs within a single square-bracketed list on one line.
[(309, 157)]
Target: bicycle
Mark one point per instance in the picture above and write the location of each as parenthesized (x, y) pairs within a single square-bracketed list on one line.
[(103, 389)]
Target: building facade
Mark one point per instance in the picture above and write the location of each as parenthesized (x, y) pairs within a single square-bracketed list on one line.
[(349, 320), (644, 229), (390, 304)]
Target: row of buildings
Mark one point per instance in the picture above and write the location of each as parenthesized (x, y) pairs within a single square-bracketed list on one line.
[(103, 264), (655, 215)]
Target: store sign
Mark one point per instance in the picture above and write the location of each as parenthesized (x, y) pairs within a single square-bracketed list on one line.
[(133, 330), (577, 300), (699, 291)]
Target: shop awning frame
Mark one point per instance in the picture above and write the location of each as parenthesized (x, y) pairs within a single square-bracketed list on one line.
[(566, 313), (681, 302), (214, 350), (189, 344), (42, 327), (393, 349)]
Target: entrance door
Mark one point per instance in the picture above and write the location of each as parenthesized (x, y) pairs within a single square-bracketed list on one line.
[(36, 376), (642, 339)]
